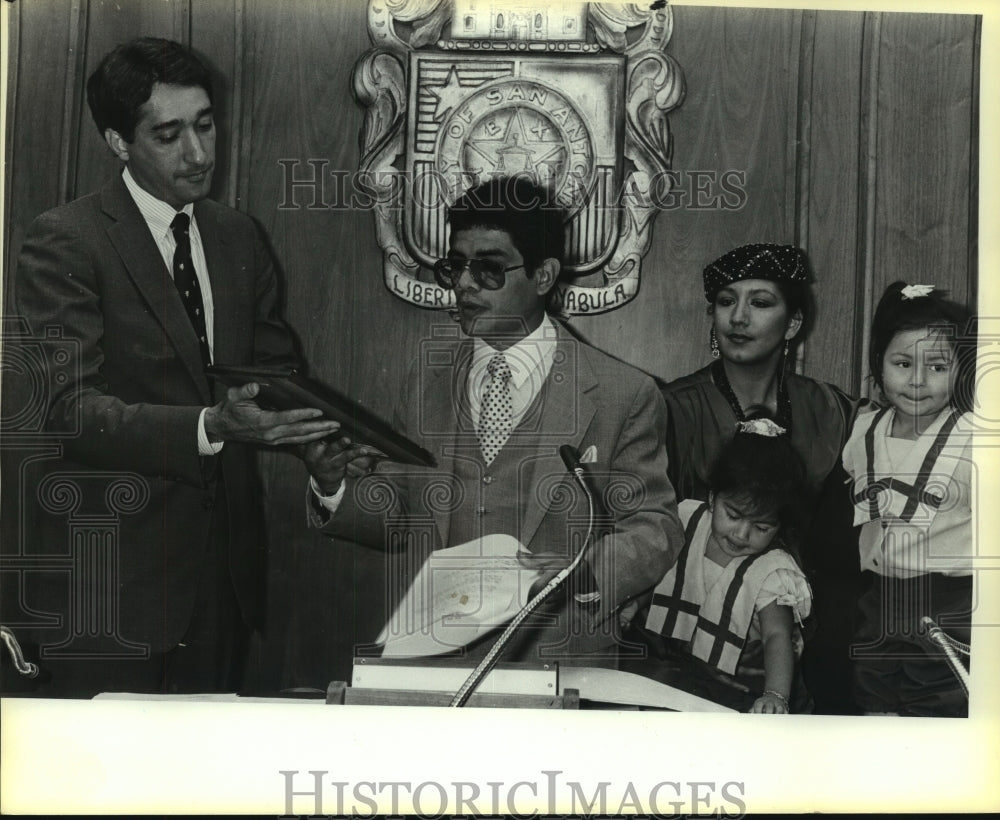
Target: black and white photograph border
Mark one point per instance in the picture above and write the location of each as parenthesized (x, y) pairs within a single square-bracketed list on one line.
[(300, 758)]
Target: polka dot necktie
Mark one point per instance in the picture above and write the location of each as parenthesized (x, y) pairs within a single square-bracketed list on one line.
[(187, 282), (497, 411)]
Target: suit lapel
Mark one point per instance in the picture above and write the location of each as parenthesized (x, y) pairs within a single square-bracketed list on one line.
[(137, 249), (218, 256), (446, 416), (566, 412)]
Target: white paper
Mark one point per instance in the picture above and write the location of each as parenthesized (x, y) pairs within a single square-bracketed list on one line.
[(459, 594)]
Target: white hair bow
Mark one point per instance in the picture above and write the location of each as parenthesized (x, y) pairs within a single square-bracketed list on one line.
[(761, 427), (916, 291)]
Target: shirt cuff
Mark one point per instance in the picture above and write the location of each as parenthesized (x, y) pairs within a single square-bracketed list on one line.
[(330, 502), (206, 447)]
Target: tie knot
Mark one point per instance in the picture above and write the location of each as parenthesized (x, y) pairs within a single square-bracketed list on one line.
[(498, 368), (179, 226)]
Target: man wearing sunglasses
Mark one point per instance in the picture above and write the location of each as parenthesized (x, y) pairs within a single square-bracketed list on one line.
[(495, 410)]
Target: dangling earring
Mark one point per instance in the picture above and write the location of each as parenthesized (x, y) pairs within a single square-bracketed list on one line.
[(713, 344)]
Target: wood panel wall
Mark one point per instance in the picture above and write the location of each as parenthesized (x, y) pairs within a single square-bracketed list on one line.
[(856, 133)]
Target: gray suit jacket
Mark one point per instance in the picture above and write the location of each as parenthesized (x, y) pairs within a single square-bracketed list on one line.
[(588, 401)]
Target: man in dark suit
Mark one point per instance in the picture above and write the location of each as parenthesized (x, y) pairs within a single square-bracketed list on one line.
[(149, 282), (495, 409)]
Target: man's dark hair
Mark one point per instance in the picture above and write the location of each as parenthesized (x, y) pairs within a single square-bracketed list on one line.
[(526, 211), (125, 77)]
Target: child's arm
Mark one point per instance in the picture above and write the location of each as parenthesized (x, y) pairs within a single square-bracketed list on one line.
[(779, 659)]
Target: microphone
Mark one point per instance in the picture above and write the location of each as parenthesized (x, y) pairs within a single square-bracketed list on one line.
[(571, 458), (588, 594)]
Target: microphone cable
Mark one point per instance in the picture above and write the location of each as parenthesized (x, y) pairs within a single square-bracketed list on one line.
[(948, 645), (487, 663)]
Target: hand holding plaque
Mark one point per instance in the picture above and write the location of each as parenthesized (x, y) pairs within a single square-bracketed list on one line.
[(238, 417), (351, 448), (330, 459)]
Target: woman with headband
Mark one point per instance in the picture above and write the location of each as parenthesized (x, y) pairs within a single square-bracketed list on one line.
[(758, 303)]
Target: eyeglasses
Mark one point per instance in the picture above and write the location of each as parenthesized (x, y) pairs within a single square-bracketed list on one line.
[(486, 273)]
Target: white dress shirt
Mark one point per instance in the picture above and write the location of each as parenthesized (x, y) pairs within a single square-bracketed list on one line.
[(529, 360), (158, 216)]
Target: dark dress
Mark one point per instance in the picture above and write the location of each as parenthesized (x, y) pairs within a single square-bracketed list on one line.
[(700, 421)]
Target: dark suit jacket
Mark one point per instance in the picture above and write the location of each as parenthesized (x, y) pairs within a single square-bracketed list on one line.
[(135, 387), (589, 400)]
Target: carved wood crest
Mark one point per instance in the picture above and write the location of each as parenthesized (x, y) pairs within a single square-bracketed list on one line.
[(575, 94)]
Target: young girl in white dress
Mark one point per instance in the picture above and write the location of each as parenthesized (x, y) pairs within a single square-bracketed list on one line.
[(912, 471), (723, 622)]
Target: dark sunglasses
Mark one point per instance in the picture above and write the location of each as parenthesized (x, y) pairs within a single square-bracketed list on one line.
[(486, 273)]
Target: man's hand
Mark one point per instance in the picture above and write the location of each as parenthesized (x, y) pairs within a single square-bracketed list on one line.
[(330, 459), (627, 614), (238, 418)]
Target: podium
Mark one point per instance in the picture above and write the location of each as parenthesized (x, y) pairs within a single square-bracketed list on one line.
[(433, 682), (425, 682)]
